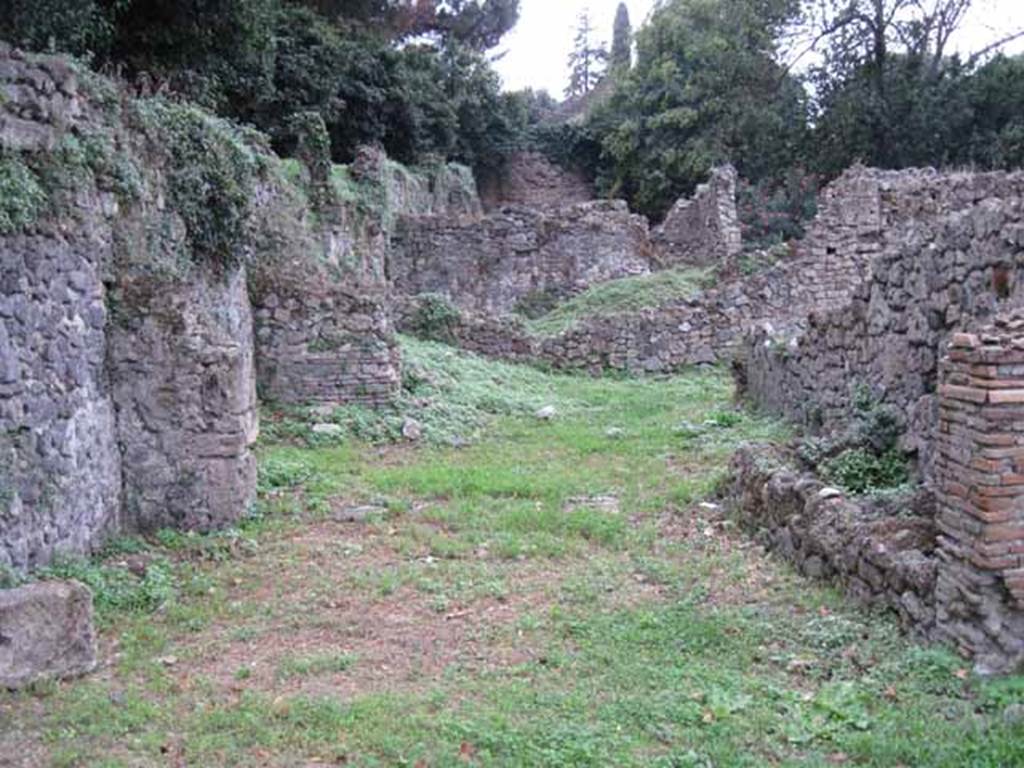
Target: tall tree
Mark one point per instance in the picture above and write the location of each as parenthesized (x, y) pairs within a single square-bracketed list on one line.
[(588, 59), (622, 42), (887, 89), (706, 89)]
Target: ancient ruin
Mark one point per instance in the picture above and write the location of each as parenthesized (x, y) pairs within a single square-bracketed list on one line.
[(141, 326), (139, 323)]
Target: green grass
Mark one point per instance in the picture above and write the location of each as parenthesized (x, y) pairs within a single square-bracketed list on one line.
[(453, 396), (496, 613), (617, 296)]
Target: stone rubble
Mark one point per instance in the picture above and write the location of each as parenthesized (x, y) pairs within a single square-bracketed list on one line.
[(46, 633)]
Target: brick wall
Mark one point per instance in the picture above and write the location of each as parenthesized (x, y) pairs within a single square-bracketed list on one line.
[(326, 344), (979, 478)]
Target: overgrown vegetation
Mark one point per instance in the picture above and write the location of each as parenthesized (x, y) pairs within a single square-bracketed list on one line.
[(211, 176), (866, 456), (613, 297), (415, 80), (433, 318), (453, 396), (859, 470), (22, 199)]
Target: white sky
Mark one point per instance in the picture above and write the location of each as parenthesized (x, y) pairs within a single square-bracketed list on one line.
[(538, 48)]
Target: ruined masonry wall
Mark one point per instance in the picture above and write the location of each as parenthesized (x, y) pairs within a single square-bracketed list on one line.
[(703, 329), (325, 341), (704, 229), (950, 259), (950, 561), (530, 180), (491, 264), (879, 558), (820, 276), (127, 360), (60, 468), (183, 382)]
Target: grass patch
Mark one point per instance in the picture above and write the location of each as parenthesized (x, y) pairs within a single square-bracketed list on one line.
[(500, 612), (454, 396), (629, 294), (317, 664)]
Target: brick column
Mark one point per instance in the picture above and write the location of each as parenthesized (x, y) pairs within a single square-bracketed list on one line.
[(979, 478)]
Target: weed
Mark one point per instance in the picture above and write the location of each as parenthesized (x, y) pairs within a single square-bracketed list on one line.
[(860, 471), (434, 318), (115, 588), (22, 199), (320, 664)]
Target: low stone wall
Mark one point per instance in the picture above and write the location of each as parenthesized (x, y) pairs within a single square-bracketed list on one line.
[(704, 329), (932, 273), (492, 264), (881, 556), (530, 180), (949, 561), (326, 345), (703, 229)]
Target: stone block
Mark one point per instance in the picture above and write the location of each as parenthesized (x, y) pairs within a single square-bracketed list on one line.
[(46, 632)]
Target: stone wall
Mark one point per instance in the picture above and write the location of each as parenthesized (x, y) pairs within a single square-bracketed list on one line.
[(180, 361), (881, 553), (706, 328), (703, 229), (127, 350), (530, 180), (949, 559), (60, 468), (946, 257), (819, 276), (494, 263), (326, 344)]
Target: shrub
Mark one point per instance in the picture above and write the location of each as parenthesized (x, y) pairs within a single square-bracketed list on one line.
[(434, 318), (21, 197), (211, 176), (859, 470)]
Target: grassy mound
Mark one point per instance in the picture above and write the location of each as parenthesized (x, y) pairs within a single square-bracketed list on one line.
[(628, 294), (452, 395)]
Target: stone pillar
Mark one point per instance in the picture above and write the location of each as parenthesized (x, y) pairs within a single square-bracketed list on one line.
[(979, 477), (183, 379)]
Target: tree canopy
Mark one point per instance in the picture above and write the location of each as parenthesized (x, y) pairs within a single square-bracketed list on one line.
[(409, 74), (706, 88)]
